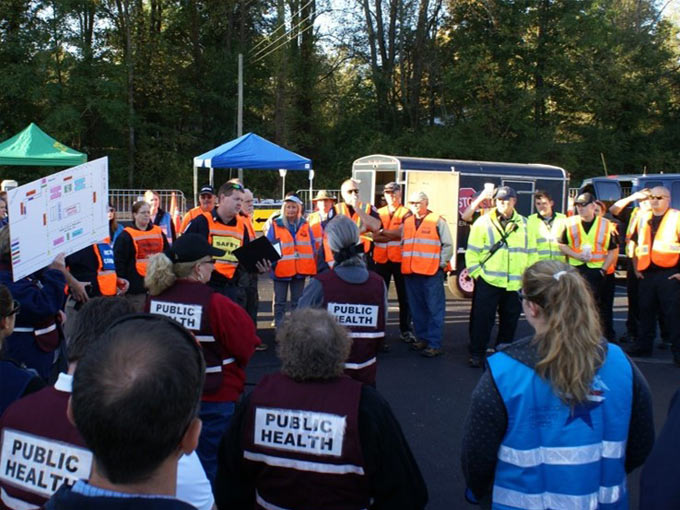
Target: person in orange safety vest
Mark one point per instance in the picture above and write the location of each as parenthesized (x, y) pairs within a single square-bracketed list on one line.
[(297, 262), (657, 266), (387, 253), (364, 215)]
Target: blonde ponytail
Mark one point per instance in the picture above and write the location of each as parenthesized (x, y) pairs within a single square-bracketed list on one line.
[(571, 348)]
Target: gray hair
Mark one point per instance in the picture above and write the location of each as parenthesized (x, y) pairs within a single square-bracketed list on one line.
[(343, 233), (312, 345)]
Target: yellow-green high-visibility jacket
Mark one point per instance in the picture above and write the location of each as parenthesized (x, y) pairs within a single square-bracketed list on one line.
[(505, 267), (547, 236)]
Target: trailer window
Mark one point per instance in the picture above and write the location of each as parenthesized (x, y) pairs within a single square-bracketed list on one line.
[(609, 191), (675, 195)]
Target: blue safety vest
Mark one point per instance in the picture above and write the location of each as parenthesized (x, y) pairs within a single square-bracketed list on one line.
[(554, 456)]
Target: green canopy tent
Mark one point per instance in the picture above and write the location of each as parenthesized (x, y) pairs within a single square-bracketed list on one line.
[(34, 147)]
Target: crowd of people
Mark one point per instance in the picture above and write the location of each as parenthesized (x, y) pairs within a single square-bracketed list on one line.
[(123, 365)]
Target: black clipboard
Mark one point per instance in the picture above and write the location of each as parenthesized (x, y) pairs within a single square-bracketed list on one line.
[(254, 251)]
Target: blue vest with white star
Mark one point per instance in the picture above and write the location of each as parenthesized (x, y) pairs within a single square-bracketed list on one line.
[(553, 456)]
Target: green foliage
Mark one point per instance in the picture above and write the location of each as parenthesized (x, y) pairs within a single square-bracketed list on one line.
[(549, 81)]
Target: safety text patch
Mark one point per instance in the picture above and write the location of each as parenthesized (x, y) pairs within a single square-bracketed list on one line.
[(41, 466), (365, 316), (300, 431), (188, 316)]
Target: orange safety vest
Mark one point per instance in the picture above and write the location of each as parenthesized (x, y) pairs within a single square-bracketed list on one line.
[(106, 276), (389, 250), (249, 225), (147, 243), (632, 224), (227, 238), (320, 240), (191, 216), (366, 239), (665, 250), (597, 238), (421, 247), (297, 255)]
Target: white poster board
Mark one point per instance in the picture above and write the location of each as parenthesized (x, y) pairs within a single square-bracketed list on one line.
[(60, 213)]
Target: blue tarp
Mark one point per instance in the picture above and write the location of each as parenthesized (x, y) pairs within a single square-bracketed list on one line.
[(252, 151)]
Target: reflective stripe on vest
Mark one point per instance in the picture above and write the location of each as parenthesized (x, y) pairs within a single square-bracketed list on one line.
[(106, 269), (421, 247), (218, 369), (597, 238), (365, 239), (554, 455), (227, 238), (165, 224), (505, 267), (147, 243), (389, 250), (547, 236), (630, 229), (664, 251), (297, 254)]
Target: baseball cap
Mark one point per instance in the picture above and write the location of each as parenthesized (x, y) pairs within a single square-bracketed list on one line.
[(417, 196), (584, 199), (293, 198), (192, 247), (207, 189), (505, 192), (391, 187)]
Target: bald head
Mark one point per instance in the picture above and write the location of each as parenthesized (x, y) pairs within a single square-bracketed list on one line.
[(660, 200)]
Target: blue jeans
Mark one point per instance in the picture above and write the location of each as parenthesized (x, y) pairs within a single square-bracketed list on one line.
[(427, 303), (296, 286), (216, 417)]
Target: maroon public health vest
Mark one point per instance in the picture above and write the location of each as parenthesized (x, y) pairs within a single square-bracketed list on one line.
[(188, 303), (301, 442), (40, 450), (361, 309)]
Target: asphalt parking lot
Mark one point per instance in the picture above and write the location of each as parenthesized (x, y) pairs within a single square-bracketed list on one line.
[(430, 397)]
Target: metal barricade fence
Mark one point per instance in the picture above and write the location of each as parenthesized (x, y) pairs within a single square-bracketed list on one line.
[(123, 199)]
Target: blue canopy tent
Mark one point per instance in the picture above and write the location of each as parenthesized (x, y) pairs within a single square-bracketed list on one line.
[(251, 151)]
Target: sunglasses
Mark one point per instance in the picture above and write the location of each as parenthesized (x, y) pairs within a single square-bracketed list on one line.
[(233, 185), (353, 191), (581, 204), (658, 197), (16, 308), (111, 209)]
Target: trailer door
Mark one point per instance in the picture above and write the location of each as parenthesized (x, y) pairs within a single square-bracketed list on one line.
[(366, 185), (441, 189), (525, 195)]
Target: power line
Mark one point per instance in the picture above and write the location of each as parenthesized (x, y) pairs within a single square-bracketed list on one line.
[(282, 44), (256, 53)]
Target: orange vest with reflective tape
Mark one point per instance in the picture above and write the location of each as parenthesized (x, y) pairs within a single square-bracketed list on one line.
[(365, 239), (320, 240), (147, 243), (227, 238), (106, 278), (597, 238), (192, 215), (665, 250), (389, 250), (421, 247), (297, 255)]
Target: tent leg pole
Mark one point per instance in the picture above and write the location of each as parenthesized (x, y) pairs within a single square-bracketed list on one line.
[(195, 185)]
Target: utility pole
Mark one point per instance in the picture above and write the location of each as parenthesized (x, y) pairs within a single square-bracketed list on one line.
[(239, 121)]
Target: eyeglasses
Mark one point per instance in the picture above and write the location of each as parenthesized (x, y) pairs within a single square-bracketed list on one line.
[(16, 308), (658, 197), (353, 191)]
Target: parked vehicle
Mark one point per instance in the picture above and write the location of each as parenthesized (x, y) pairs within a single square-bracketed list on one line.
[(376, 170)]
